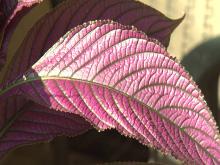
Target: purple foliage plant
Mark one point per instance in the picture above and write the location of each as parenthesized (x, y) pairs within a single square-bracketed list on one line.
[(101, 64)]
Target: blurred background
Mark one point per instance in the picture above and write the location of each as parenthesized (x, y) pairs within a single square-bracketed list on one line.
[(201, 22), (195, 43)]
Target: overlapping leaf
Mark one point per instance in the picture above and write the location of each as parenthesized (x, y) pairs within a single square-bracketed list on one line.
[(70, 14), (117, 77), (73, 13), (11, 11), (34, 123)]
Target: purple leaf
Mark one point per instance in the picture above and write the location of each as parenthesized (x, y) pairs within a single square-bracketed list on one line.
[(34, 123), (11, 12), (72, 13), (15, 10), (116, 77), (55, 24)]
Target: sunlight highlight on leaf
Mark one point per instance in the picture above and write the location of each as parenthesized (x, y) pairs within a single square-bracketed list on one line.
[(116, 77)]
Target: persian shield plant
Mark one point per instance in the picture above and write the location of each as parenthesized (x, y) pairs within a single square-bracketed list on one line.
[(101, 64)]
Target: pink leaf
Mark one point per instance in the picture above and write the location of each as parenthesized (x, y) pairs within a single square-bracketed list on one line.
[(31, 123), (116, 77), (56, 23), (72, 13)]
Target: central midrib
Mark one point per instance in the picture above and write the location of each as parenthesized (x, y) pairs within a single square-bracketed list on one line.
[(27, 80)]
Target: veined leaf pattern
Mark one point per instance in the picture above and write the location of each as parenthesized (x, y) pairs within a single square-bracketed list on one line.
[(55, 24), (116, 77), (31, 123), (73, 12)]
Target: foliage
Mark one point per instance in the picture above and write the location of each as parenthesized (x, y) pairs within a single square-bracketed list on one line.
[(102, 64)]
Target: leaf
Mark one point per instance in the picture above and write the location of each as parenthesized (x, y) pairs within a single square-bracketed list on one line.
[(35, 123), (45, 129), (117, 77), (114, 5), (11, 12), (131, 163), (72, 13), (55, 24)]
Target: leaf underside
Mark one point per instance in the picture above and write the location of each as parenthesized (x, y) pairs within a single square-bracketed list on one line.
[(54, 25), (116, 77)]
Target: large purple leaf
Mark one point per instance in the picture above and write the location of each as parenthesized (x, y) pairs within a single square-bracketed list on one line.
[(117, 77), (11, 12), (72, 13), (34, 123)]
